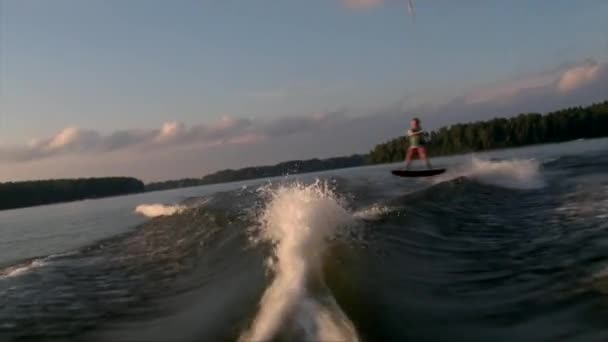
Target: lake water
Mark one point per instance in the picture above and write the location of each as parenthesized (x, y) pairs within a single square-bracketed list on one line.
[(509, 245)]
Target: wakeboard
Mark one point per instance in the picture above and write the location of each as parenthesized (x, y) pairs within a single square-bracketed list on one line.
[(417, 173)]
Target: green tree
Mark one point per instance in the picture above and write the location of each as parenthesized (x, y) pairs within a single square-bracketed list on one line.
[(524, 129)]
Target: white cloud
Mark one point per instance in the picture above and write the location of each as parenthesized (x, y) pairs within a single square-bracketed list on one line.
[(169, 130), (578, 76), (226, 131), (559, 81), (70, 138), (64, 138)]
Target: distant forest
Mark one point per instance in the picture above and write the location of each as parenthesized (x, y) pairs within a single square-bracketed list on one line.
[(31, 193), (524, 129), (281, 169)]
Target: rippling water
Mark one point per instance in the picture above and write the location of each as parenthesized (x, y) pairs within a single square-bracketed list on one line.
[(506, 246)]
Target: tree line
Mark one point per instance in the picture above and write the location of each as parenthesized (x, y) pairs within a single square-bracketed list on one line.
[(25, 194), (281, 169), (524, 129)]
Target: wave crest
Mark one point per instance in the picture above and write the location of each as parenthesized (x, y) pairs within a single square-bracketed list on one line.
[(297, 220), (522, 174), (21, 269), (156, 210)]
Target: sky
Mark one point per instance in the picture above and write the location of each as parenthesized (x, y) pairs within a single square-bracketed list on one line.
[(161, 89)]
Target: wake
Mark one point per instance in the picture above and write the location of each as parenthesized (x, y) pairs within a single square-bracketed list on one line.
[(298, 220), (156, 210), (21, 269), (522, 174)]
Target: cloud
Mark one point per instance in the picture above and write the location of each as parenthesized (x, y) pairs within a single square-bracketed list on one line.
[(361, 4), (562, 80), (70, 138), (226, 131), (66, 137), (169, 131), (505, 91), (578, 76), (292, 125), (126, 138)]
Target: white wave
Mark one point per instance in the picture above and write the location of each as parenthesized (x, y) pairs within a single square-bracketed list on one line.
[(298, 219), (21, 269), (155, 210), (514, 174), (371, 213)]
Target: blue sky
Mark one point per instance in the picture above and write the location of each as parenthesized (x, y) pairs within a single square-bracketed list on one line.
[(101, 67)]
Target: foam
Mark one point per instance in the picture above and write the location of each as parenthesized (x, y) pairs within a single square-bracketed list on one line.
[(513, 174), (371, 213), (297, 220), (156, 210), (21, 269)]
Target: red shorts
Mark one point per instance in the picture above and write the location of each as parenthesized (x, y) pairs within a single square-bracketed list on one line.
[(419, 150)]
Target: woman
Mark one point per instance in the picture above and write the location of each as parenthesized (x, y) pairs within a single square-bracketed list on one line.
[(414, 135)]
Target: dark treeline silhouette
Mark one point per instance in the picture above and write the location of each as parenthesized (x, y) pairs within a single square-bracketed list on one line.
[(31, 193), (525, 129), (286, 168)]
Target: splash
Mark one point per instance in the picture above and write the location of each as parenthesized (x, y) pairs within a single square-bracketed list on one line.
[(371, 213), (297, 220), (21, 269), (513, 174), (155, 210)]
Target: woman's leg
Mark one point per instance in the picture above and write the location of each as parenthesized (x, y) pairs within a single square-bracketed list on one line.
[(408, 157), (422, 154)]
